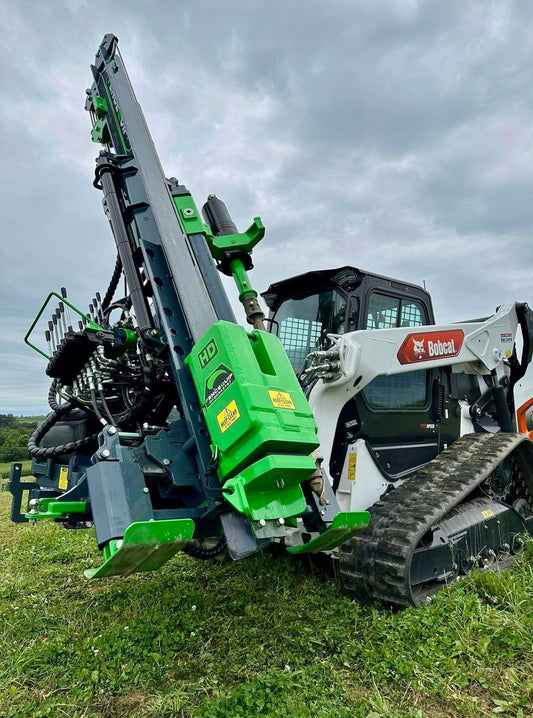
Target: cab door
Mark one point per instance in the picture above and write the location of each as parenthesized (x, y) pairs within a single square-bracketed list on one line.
[(397, 414)]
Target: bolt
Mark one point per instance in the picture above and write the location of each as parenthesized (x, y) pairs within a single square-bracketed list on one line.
[(262, 522), (146, 490), (33, 502), (111, 430), (166, 462), (154, 332), (33, 511), (188, 211), (281, 522), (323, 511), (105, 453)]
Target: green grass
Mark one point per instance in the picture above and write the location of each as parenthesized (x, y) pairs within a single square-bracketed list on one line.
[(261, 637)]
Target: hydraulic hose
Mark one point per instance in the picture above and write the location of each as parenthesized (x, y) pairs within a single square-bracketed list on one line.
[(204, 553), (44, 427), (113, 284)]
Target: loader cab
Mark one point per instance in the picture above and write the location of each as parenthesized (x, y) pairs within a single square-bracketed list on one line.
[(305, 309), (394, 414)]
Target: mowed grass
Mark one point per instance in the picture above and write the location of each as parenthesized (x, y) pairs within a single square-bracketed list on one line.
[(265, 636)]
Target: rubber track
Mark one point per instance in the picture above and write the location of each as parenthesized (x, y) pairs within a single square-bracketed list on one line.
[(378, 559)]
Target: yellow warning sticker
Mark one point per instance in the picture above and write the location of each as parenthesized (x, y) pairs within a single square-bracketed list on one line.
[(63, 478), (228, 416), (487, 513), (281, 399), (352, 462)]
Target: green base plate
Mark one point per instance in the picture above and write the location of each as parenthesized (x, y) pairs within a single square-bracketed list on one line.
[(146, 546), (344, 525)]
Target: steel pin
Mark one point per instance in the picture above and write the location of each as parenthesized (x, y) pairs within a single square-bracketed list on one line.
[(51, 328), (58, 324), (63, 320)]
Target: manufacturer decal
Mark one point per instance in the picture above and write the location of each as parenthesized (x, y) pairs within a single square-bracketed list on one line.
[(228, 416), (208, 352), (62, 484), (428, 346), (217, 382), (506, 338), (281, 399)]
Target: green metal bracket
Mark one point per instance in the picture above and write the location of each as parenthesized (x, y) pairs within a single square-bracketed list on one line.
[(90, 324), (344, 525), (100, 132), (99, 106), (243, 242), (52, 509), (189, 216), (146, 546), (260, 493)]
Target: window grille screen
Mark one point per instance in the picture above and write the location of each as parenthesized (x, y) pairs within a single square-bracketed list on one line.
[(299, 337)]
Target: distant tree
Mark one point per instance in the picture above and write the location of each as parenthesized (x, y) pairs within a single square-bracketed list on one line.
[(7, 420)]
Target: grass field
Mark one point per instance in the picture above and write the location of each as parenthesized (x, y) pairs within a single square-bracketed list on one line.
[(261, 637)]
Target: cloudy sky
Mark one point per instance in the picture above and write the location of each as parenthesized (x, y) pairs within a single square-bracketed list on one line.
[(393, 135)]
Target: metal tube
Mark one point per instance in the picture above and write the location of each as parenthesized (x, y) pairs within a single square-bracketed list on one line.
[(51, 328), (138, 300)]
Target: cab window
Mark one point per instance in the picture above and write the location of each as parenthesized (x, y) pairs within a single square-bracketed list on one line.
[(385, 312), (303, 324), (401, 391)]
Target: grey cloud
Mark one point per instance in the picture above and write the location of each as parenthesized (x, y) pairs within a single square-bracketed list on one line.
[(392, 135)]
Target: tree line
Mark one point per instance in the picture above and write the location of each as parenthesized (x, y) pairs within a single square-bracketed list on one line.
[(14, 436)]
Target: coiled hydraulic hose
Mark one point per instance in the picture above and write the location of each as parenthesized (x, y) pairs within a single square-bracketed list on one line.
[(44, 427)]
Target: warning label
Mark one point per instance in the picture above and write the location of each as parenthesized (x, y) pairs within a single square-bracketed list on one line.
[(352, 462), (217, 382), (281, 399), (62, 484), (228, 416)]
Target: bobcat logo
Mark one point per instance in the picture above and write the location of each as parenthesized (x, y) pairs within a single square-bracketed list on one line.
[(418, 347)]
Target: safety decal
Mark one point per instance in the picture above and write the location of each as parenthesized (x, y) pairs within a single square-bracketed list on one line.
[(506, 338), (228, 416), (487, 513), (352, 462), (428, 346), (62, 484), (217, 382), (281, 399)]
